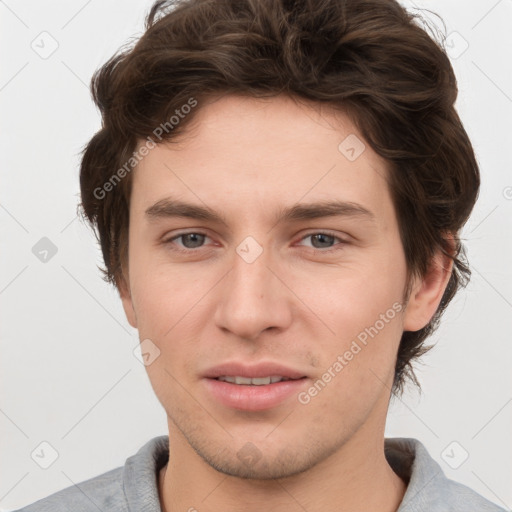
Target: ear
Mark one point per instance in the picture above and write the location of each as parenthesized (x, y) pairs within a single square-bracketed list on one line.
[(427, 292), (126, 298)]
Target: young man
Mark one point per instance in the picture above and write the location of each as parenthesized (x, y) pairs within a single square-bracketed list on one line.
[(278, 189)]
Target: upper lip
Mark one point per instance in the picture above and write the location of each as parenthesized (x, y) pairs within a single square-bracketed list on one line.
[(237, 369)]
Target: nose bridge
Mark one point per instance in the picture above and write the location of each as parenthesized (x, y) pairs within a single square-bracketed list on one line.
[(253, 298)]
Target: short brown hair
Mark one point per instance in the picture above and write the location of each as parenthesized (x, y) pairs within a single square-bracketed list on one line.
[(370, 58)]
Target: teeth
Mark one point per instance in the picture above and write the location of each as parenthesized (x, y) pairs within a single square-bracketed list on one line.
[(256, 381)]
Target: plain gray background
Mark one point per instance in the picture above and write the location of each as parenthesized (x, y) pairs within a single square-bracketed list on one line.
[(69, 376)]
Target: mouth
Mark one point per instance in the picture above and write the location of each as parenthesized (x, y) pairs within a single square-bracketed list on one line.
[(253, 393), (254, 381), (238, 372), (253, 386)]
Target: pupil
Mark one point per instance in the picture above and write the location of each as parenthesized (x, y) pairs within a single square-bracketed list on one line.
[(191, 236), (321, 236)]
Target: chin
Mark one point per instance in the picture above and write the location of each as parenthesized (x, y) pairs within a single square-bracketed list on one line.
[(249, 462)]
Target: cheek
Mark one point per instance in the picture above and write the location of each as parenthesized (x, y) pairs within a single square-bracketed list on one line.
[(154, 307), (171, 314), (357, 298), (357, 371), (165, 298), (363, 309)]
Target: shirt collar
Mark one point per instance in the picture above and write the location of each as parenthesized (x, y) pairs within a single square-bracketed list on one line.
[(408, 458)]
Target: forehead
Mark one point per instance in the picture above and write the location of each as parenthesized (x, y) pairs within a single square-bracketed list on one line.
[(263, 153)]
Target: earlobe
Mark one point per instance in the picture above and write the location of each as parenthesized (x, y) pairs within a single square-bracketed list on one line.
[(427, 292), (126, 298)]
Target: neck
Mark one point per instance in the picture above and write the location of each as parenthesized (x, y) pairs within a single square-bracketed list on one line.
[(356, 477)]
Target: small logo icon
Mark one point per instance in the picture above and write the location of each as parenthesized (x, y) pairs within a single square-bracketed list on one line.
[(456, 45), (146, 352), (351, 147), (249, 249), (454, 455), (249, 454), (44, 250), (44, 455), (45, 45)]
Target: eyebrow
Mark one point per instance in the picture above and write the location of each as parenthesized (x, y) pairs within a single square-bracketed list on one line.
[(168, 208)]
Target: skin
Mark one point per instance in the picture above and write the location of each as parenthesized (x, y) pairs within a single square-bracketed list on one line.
[(296, 304)]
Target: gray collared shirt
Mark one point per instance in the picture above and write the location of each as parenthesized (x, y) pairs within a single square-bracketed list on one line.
[(134, 486)]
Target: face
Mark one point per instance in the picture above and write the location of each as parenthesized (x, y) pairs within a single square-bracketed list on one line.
[(269, 280)]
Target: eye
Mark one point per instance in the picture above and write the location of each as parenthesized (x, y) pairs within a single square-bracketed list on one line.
[(190, 241), (324, 240)]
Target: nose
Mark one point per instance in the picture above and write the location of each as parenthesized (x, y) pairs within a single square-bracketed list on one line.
[(254, 298)]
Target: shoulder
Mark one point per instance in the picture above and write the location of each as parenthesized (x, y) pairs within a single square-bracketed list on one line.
[(103, 492), (123, 489), (461, 498), (428, 487)]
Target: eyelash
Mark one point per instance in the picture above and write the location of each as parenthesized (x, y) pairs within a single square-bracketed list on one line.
[(343, 242)]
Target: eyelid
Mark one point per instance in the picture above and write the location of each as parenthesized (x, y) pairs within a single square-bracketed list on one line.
[(342, 241), (168, 239)]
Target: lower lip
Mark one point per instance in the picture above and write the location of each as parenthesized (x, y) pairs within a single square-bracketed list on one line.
[(253, 398)]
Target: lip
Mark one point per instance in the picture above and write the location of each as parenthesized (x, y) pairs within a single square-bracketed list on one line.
[(253, 398), (237, 369)]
